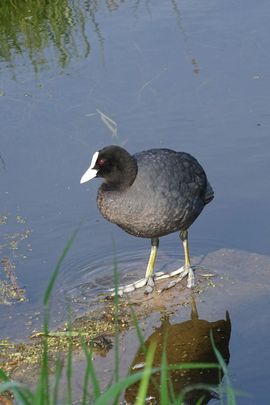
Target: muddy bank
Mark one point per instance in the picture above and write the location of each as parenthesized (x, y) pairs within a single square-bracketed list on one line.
[(96, 327)]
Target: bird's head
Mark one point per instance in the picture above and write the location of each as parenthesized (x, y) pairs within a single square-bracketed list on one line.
[(114, 164)]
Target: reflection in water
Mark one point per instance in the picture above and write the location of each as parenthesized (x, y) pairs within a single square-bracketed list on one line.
[(193, 60), (187, 342), (31, 28)]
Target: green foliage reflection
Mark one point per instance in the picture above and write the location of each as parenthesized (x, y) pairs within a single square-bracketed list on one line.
[(32, 27)]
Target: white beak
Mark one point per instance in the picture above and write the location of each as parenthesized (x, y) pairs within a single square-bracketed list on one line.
[(90, 172), (88, 175)]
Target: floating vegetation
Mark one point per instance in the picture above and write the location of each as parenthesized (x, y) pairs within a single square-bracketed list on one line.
[(10, 291), (3, 219), (20, 220), (12, 250), (110, 124), (94, 328)]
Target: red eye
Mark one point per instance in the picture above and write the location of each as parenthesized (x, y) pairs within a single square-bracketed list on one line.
[(101, 162)]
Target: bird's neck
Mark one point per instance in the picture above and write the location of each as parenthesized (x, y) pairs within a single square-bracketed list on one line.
[(123, 177)]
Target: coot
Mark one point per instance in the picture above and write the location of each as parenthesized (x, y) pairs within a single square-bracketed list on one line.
[(149, 195)]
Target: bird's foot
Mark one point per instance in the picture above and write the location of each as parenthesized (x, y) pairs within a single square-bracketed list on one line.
[(148, 283), (182, 272)]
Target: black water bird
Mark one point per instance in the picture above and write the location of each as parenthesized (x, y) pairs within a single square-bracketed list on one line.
[(151, 194)]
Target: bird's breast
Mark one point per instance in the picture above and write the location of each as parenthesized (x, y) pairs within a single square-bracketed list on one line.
[(146, 214)]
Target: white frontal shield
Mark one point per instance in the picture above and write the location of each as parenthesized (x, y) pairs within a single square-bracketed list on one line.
[(90, 172)]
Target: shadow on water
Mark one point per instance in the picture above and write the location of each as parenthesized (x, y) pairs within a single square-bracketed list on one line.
[(185, 342)]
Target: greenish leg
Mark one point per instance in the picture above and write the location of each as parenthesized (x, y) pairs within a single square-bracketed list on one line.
[(185, 270), (148, 280), (152, 258), (184, 238), (150, 266), (187, 266)]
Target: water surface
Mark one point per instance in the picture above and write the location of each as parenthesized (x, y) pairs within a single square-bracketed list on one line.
[(190, 76)]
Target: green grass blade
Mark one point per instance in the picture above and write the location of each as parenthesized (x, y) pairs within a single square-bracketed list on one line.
[(3, 376), (10, 386), (229, 390), (69, 372), (200, 400), (192, 366), (164, 396), (193, 387), (57, 378), (43, 390), (58, 266), (146, 376), (85, 394), (22, 394), (138, 329), (115, 390), (42, 394), (171, 390), (141, 340), (90, 372)]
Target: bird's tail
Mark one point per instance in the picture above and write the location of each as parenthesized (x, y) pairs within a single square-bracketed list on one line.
[(209, 194)]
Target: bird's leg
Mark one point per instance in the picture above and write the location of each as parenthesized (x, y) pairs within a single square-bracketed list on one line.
[(150, 266), (185, 270), (187, 265), (148, 280)]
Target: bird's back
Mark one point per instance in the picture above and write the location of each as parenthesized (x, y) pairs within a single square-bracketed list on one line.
[(168, 193)]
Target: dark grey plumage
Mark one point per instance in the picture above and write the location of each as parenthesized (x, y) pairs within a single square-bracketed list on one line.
[(168, 193), (151, 194)]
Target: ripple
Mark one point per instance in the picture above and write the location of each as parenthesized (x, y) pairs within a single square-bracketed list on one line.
[(84, 279)]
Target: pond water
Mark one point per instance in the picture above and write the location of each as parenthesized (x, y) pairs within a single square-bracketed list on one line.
[(190, 75)]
